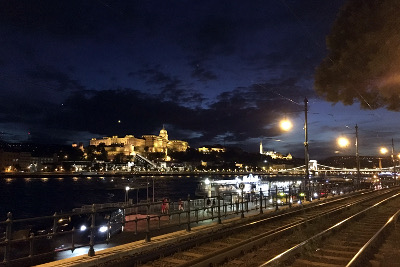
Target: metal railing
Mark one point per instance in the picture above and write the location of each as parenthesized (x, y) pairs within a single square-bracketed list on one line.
[(27, 239)]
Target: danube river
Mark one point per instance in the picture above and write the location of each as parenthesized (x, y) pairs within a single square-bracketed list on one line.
[(33, 197)]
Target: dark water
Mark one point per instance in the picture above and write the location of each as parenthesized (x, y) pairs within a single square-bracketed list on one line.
[(29, 197), (34, 197)]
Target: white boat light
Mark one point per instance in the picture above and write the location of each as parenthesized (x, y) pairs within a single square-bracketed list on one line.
[(83, 228)]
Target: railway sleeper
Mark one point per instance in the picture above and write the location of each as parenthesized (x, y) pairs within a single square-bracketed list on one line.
[(341, 248), (328, 259), (302, 263), (337, 253)]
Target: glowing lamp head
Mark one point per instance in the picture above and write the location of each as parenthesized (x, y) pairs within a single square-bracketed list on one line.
[(383, 150), (343, 142), (286, 125)]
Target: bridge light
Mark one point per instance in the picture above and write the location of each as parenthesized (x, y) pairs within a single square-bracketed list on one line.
[(343, 141)]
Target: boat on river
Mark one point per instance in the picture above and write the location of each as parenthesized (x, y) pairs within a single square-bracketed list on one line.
[(249, 184)]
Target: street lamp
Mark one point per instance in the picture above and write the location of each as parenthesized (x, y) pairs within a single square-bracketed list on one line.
[(383, 151), (343, 142), (287, 125), (126, 194)]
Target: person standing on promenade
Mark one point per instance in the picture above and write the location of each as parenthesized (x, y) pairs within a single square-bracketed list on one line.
[(164, 205), (180, 206)]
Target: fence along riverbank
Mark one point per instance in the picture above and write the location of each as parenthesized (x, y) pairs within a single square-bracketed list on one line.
[(18, 245)]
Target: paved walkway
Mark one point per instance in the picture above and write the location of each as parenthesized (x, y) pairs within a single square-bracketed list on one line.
[(116, 253)]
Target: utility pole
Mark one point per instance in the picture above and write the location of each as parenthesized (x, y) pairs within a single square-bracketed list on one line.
[(357, 159), (394, 163), (306, 156)]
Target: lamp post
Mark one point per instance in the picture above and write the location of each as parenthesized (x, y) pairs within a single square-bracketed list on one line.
[(358, 159), (344, 142), (153, 189), (287, 125), (383, 151), (126, 194), (394, 163)]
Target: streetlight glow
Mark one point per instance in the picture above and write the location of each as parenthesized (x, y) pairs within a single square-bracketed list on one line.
[(286, 125), (343, 141), (383, 150)]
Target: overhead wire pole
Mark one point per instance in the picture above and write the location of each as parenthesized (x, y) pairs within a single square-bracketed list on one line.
[(394, 163), (306, 156), (358, 161)]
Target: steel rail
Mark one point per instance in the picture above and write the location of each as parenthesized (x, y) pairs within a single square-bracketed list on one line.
[(362, 254), (300, 247), (235, 249)]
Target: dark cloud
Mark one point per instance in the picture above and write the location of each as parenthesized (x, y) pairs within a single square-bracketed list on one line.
[(362, 64), (201, 73), (239, 115), (169, 88), (153, 75), (57, 17), (211, 71), (52, 78)]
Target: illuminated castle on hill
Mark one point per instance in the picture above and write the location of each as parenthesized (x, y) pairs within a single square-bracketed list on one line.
[(129, 145), (273, 154)]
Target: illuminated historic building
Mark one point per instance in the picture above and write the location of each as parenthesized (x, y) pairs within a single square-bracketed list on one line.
[(209, 149), (129, 144), (274, 154)]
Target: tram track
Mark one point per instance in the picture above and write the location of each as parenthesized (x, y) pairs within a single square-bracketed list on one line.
[(282, 230), (346, 243)]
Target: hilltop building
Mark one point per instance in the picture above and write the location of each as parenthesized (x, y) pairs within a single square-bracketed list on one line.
[(209, 149), (129, 145), (274, 154)]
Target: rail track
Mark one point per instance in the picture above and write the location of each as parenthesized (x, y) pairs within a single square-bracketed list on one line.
[(355, 241), (256, 242)]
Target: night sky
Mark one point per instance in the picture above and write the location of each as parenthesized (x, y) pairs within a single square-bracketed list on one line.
[(212, 72)]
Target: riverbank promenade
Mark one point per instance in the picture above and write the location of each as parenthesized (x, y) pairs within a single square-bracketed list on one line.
[(174, 234), (179, 231)]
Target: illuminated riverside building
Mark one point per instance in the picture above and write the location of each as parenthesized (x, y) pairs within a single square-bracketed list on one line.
[(129, 144)]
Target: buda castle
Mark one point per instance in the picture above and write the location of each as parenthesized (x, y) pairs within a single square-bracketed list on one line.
[(129, 145)]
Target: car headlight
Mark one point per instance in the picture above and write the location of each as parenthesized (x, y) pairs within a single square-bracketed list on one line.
[(103, 229)]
